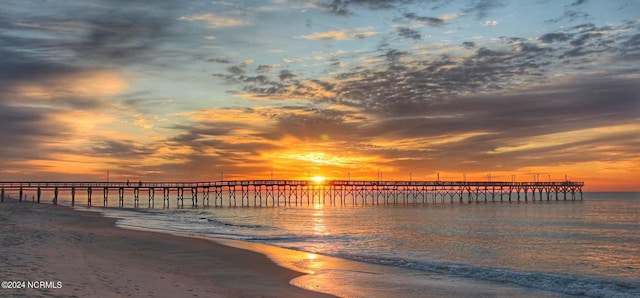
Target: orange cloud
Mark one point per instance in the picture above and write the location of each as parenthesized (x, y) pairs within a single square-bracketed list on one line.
[(100, 83), (358, 33), (214, 21)]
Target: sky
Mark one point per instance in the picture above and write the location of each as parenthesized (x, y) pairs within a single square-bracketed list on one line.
[(173, 90)]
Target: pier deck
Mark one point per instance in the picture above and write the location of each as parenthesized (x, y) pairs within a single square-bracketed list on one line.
[(266, 193)]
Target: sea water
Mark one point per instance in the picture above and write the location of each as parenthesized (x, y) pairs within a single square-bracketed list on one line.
[(542, 248)]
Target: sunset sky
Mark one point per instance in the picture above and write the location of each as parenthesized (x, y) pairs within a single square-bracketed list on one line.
[(186, 90)]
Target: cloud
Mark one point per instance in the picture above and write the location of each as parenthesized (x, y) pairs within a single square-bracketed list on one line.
[(449, 16), (553, 37), (127, 149), (343, 34), (504, 129), (26, 128), (84, 90), (409, 33), (427, 21), (215, 21), (59, 79), (569, 94), (447, 110), (490, 23), (468, 44), (482, 8), (571, 16), (578, 2), (342, 7)]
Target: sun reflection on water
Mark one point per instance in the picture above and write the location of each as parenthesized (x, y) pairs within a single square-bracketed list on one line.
[(319, 227)]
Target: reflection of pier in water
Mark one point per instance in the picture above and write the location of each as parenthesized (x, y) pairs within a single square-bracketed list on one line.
[(271, 193)]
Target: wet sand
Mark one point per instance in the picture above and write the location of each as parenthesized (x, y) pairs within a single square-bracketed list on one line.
[(93, 258)]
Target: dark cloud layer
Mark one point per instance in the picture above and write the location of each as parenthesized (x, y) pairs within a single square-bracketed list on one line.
[(71, 40), (482, 8), (344, 7)]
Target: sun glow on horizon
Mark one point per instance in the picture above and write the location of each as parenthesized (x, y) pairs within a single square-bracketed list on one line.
[(318, 179)]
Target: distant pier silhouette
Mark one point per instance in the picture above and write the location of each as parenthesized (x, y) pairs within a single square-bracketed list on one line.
[(274, 193)]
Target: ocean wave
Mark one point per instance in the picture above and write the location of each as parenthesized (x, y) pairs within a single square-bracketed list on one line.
[(292, 238), (555, 282), (237, 225)]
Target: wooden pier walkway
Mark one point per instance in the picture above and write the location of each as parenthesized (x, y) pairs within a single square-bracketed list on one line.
[(265, 193)]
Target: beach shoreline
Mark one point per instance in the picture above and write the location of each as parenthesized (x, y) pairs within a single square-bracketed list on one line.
[(78, 253), (341, 277)]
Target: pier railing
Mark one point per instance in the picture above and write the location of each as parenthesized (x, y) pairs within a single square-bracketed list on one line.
[(299, 192)]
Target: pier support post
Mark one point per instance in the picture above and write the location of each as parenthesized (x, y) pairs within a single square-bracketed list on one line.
[(218, 195), (136, 197), (232, 195), (121, 197), (180, 197), (269, 193), (2, 195), (257, 195), (194, 197), (55, 196), (165, 198), (20, 193), (39, 193), (244, 194), (151, 197), (73, 196), (89, 190), (105, 192), (205, 197), (493, 194)]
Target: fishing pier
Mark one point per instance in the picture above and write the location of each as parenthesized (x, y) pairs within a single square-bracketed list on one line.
[(273, 193)]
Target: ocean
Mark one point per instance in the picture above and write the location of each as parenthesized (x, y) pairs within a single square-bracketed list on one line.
[(536, 248)]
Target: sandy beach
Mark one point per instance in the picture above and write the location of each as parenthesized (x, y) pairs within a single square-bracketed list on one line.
[(90, 257)]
